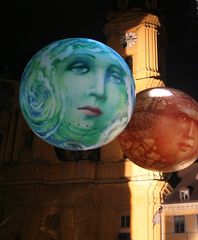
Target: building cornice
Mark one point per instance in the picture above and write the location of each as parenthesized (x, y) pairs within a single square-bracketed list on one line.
[(180, 206)]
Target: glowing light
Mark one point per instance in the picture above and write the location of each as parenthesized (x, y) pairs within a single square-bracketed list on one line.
[(160, 92)]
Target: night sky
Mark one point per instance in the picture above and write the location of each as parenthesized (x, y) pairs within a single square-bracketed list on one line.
[(28, 26)]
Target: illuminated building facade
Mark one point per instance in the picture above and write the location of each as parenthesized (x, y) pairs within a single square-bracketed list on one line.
[(179, 215), (48, 193)]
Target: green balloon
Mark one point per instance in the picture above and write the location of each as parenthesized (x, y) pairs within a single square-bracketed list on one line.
[(77, 94)]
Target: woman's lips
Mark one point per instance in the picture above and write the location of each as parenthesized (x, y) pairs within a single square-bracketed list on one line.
[(186, 146), (90, 110)]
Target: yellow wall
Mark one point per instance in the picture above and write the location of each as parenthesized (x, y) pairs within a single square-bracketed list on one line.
[(190, 211), (145, 186)]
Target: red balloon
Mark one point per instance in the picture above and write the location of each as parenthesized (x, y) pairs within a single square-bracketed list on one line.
[(162, 134)]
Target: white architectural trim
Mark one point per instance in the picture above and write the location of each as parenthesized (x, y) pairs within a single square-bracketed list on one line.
[(180, 206)]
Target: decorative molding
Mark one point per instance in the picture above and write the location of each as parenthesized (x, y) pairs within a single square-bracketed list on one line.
[(180, 206)]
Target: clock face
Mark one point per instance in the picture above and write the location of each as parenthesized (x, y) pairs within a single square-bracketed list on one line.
[(128, 39)]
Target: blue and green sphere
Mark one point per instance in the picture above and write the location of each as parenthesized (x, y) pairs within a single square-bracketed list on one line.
[(77, 94)]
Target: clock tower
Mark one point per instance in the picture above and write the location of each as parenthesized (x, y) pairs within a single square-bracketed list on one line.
[(137, 35)]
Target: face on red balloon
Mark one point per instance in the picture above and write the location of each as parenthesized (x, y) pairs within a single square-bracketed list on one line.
[(163, 132)]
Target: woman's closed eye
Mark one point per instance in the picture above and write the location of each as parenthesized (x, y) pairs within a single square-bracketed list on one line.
[(115, 77), (79, 68), (182, 117)]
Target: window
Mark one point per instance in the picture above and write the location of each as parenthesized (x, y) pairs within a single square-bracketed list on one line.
[(125, 221), (53, 221), (184, 194), (197, 221), (179, 224), (28, 139), (66, 155), (124, 236), (129, 61)]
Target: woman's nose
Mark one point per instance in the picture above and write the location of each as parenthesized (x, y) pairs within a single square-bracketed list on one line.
[(97, 88), (190, 131)]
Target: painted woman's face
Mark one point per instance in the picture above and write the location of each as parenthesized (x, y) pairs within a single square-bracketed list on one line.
[(179, 139), (77, 94), (95, 92), (163, 132)]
